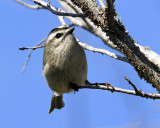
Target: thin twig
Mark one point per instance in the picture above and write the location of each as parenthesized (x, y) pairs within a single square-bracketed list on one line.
[(28, 5), (103, 51), (136, 90), (54, 11), (131, 92), (29, 54), (61, 19), (44, 5), (33, 48)]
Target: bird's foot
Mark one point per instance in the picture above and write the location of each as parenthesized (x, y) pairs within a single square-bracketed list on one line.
[(74, 87), (105, 84)]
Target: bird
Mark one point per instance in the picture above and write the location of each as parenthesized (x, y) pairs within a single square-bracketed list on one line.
[(64, 64)]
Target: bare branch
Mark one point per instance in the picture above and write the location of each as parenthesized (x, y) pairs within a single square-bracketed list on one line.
[(61, 19), (29, 54), (131, 92), (28, 5), (103, 51), (44, 5), (54, 11), (33, 48), (136, 90)]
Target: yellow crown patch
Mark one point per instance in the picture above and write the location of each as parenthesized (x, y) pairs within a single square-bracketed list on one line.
[(61, 27)]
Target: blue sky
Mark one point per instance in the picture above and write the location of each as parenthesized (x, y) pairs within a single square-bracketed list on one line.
[(25, 97)]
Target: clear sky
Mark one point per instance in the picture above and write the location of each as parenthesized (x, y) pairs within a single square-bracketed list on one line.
[(25, 97)]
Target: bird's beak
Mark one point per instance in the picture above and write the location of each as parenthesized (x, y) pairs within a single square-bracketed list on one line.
[(70, 31)]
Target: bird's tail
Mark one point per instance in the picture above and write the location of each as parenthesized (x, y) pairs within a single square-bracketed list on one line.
[(56, 102)]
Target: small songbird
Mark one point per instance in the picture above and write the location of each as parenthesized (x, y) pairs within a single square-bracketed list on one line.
[(64, 63)]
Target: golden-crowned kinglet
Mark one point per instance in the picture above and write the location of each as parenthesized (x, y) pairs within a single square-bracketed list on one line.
[(64, 63)]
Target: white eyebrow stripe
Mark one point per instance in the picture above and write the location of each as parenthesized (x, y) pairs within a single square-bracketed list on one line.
[(50, 37)]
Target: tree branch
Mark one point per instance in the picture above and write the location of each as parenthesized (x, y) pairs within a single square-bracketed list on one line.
[(28, 5), (103, 51), (136, 90), (46, 5), (33, 48), (131, 92), (54, 11), (29, 54)]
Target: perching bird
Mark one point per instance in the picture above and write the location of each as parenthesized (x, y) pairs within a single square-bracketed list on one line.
[(64, 63)]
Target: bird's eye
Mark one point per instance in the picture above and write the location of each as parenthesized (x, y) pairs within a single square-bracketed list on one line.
[(58, 35)]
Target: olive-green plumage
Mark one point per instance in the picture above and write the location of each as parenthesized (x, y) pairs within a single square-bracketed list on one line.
[(64, 62)]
